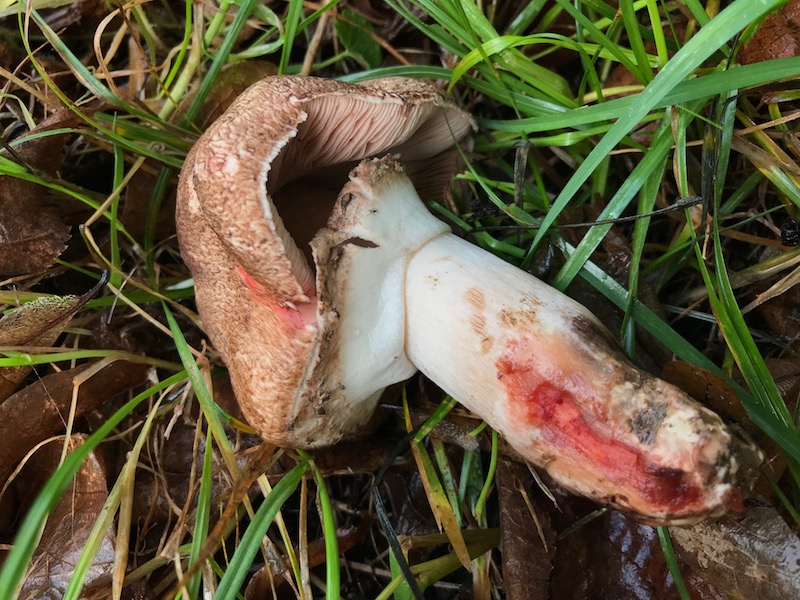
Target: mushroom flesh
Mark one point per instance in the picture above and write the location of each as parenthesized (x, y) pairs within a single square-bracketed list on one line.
[(393, 291)]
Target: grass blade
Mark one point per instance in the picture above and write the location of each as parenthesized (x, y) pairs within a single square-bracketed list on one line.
[(27, 538), (236, 571), (727, 24)]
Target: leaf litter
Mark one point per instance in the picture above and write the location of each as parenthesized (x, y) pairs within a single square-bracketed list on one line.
[(542, 551), (69, 526), (32, 233)]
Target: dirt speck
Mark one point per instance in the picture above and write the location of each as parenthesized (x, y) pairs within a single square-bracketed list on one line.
[(645, 423), (517, 318)]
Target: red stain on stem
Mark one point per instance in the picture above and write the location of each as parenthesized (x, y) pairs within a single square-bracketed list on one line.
[(566, 426)]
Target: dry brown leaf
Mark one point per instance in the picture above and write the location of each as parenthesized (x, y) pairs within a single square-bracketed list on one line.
[(778, 36), (708, 389), (68, 527), (37, 323), (778, 306), (31, 233), (528, 543), (747, 556), (40, 410), (165, 489), (783, 318), (30, 237), (615, 557), (782, 286)]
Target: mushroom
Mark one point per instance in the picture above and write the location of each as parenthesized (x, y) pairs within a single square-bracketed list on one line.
[(394, 291)]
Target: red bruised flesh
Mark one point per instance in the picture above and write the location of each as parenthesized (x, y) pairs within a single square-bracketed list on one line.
[(296, 316), (564, 427), (579, 439)]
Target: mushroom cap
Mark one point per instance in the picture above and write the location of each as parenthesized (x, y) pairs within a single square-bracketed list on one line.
[(291, 141)]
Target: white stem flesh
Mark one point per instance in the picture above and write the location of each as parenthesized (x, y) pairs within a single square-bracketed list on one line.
[(398, 291), (461, 303), (540, 369)]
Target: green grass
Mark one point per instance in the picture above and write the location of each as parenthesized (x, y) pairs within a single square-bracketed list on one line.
[(698, 105)]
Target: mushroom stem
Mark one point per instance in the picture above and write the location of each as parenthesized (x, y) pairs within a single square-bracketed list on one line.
[(543, 371)]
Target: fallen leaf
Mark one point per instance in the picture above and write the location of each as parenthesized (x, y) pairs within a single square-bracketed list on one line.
[(615, 557), (708, 389), (527, 536), (363, 456), (37, 323), (136, 206), (30, 238), (68, 527), (32, 234), (751, 555), (778, 36), (40, 410), (780, 311), (166, 485)]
